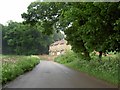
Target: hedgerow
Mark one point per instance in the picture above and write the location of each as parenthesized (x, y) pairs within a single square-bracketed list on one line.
[(13, 66), (106, 70)]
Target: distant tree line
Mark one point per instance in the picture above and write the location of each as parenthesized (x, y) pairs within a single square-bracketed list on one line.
[(21, 39)]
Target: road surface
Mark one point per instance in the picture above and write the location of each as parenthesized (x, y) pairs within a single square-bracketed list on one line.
[(49, 74)]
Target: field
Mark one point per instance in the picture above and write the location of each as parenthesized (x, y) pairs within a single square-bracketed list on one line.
[(13, 66), (107, 70)]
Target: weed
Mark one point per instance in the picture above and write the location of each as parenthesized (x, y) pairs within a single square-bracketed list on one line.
[(13, 66), (106, 70)]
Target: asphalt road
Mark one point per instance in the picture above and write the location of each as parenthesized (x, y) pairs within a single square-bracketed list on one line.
[(49, 74)]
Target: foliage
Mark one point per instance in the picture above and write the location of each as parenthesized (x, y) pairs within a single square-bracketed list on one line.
[(13, 66), (88, 26), (91, 26), (106, 70), (26, 40), (66, 58), (45, 13)]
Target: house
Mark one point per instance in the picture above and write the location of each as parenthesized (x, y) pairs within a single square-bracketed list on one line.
[(59, 47)]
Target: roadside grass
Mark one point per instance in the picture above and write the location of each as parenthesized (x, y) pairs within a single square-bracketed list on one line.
[(14, 65), (107, 70)]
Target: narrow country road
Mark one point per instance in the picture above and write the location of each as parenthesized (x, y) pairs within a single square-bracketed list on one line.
[(49, 74)]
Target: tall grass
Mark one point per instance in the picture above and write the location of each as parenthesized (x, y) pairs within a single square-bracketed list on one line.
[(106, 70), (13, 66)]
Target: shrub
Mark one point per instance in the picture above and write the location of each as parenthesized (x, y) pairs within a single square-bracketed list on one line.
[(66, 58), (106, 70), (12, 69)]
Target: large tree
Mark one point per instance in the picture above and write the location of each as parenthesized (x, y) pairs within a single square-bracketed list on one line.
[(44, 13), (88, 26), (92, 26), (25, 39)]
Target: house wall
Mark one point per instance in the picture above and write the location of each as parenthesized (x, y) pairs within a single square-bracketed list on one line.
[(59, 47)]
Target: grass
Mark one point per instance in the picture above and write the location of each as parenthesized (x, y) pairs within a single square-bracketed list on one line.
[(107, 70), (13, 66)]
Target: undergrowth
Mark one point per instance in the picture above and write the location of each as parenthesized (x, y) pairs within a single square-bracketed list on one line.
[(13, 66), (106, 70)]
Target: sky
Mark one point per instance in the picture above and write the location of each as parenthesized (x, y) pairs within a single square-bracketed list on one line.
[(12, 10)]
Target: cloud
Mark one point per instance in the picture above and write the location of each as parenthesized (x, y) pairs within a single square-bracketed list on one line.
[(12, 10)]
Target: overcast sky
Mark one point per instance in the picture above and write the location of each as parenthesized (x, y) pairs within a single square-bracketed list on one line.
[(12, 10)]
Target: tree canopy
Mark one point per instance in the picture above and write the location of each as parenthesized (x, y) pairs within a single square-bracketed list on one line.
[(88, 26), (92, 26), (26, 40)]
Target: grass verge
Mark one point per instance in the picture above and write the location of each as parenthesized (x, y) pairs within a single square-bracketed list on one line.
[(13, 66), (107, 70)]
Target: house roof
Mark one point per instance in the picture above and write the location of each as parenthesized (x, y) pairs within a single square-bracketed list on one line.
[(59, 46), (59, 42)]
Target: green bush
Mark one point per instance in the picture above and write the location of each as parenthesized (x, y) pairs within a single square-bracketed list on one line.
[(66, 58), (106, 70), (10, 70)]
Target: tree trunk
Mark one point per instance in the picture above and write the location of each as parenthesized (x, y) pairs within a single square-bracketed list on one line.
[(85, 51), (87, 55), (100, 56)]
